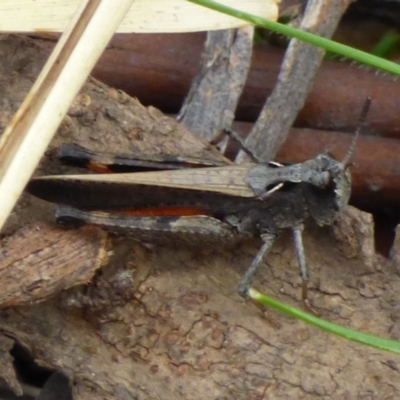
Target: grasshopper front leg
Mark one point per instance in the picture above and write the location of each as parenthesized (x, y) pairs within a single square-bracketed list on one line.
[(252, 271)]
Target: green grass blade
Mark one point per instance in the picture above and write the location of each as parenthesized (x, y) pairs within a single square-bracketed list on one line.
[(307, 37), (350, 334)]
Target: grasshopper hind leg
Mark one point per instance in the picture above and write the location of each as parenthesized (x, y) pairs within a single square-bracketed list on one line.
[(252, 271), (298, 244)]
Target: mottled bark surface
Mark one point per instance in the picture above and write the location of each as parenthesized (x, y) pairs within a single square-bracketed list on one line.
[(165, 321), (189, 335)]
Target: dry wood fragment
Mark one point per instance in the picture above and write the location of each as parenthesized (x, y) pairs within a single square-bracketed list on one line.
[(40, 260)]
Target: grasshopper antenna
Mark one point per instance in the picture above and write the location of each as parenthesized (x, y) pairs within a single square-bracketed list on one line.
[(243, 146), (360, 125)]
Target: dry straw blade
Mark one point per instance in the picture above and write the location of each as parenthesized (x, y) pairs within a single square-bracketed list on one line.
[(88, 26), (144, 15), (31, 129)]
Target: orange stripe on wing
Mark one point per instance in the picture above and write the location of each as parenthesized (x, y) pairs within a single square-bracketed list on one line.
[(97, 167)]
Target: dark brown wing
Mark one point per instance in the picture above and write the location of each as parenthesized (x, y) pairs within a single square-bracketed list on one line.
[(220, 190)]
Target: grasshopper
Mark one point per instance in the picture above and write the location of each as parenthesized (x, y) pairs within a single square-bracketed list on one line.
[(231, 201)]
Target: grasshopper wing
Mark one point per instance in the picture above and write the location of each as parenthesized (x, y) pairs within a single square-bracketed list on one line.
[(219, 189)]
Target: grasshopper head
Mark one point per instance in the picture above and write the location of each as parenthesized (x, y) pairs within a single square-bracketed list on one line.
[(326, 202), (330, 188)]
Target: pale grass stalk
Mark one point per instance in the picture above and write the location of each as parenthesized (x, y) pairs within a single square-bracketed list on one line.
[(31, 129), (143, 17)]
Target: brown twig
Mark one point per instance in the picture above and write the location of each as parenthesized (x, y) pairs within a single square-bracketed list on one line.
[(213, 97), (297, 74)]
